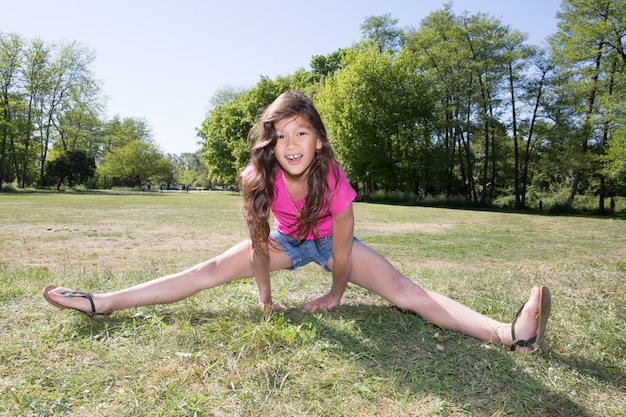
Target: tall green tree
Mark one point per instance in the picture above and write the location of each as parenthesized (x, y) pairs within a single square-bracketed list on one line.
[(11, 55), (36, 75), (478, 67), (529, 130), (68, 78), (377, 111), (41, 82), (492, 48), (589, 49), (440, 53), (223, 132)]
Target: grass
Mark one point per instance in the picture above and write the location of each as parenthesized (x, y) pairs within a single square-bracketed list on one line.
[(217, 354)]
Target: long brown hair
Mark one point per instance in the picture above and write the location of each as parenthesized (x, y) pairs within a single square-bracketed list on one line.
[(258, 181)]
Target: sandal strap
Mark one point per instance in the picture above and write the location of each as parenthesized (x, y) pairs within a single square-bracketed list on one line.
[(530, 343), (88, 296)]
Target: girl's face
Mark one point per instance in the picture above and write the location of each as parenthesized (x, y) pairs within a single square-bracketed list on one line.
[(295, 146)]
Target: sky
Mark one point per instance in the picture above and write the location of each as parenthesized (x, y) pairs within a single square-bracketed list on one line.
[(162, 61)]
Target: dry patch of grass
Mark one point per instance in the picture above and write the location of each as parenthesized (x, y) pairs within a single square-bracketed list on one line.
[(76, 232), (398, 228)]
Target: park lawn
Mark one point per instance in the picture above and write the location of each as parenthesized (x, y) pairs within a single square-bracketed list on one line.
[(217, 354)]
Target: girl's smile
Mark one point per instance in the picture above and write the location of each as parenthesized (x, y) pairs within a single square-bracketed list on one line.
[(293, 157)]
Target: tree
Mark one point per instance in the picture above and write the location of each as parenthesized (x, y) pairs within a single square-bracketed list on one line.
[(440, 47), (377, 112), (479, 69), (442, 55), (589, 49), (40, 83), (328, 65), (136, 163), (11, 54), (75, 167), (118, 132), (24, 147), (69, 71), (222, 131), (80, 126), (493, 50), (530, 127), (190, 170), (224, 95), (382, 32), (80, 122)]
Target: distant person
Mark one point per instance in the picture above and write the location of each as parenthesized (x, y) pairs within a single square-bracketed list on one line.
[(294, 174)]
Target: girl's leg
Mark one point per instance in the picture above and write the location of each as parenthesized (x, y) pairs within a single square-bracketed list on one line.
[(373, 272), (233, 264)]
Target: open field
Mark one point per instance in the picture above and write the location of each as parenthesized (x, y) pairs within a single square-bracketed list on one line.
[(217, 354)]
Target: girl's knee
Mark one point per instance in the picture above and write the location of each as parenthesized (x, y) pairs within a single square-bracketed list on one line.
[(206, 268), (404, 293), (390, 285), (208, 274)]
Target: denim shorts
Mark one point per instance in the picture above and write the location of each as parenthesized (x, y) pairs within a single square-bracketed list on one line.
[(302, 252)]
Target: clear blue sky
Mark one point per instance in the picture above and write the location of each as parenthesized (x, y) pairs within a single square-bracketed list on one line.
[(163, 60)]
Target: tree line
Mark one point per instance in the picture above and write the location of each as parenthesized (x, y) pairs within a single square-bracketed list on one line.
[(53, 131), (460, 106)]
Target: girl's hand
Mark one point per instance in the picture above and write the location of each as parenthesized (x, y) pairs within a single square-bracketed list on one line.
[(324, 303), (272, 307)]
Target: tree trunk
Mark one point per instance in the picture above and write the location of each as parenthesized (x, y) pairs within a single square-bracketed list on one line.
[(601, 194), (574, 189), (591, 99)]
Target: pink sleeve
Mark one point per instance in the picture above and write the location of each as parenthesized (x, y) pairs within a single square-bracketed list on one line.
[(342, 194)]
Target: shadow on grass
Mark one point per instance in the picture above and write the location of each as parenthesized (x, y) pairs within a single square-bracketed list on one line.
[(419, 357), (605, 371), (413, 357)]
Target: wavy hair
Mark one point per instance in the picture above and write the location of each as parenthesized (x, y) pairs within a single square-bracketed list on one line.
[(258, 182)]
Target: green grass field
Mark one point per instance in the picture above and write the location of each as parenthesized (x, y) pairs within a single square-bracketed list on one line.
[(217, 354)]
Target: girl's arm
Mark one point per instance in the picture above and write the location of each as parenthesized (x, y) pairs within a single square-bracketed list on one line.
[(343, 235), (261, 271)]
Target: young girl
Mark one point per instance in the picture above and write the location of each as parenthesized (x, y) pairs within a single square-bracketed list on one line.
[(293, 174)]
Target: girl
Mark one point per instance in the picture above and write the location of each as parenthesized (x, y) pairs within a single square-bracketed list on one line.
[(293, 173)]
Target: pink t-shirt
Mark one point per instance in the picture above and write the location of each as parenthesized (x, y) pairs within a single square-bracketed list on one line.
[(341, 195)]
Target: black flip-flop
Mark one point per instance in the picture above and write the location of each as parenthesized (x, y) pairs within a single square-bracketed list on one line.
[(544, 312), (69, 293)]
